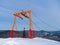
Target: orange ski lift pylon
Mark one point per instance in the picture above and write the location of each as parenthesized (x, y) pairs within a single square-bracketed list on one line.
[(23, 13)]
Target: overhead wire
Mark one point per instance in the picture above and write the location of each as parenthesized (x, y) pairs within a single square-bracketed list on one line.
[(11, 10), (36, 26), (39, 19)]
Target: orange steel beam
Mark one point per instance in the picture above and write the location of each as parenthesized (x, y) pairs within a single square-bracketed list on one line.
[(30, 24), (30, 21), (17, 14), (12, 31)]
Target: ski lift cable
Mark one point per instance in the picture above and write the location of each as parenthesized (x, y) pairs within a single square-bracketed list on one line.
[(11, 11), (36, 18), (39, 19), (35, 25), (44, 22), (8, 9)]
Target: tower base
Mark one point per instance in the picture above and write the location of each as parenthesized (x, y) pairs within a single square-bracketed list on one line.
[(11, 33), (30, 34)]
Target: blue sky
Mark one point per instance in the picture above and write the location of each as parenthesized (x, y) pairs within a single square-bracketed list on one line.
[(45, 14)]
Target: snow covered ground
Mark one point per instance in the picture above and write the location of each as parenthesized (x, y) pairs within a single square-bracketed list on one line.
[(26, 41)]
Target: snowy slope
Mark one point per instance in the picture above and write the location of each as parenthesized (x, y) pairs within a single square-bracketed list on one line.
[(26, 41)]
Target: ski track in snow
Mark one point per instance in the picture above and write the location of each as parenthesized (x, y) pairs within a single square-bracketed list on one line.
[(27, 41)]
